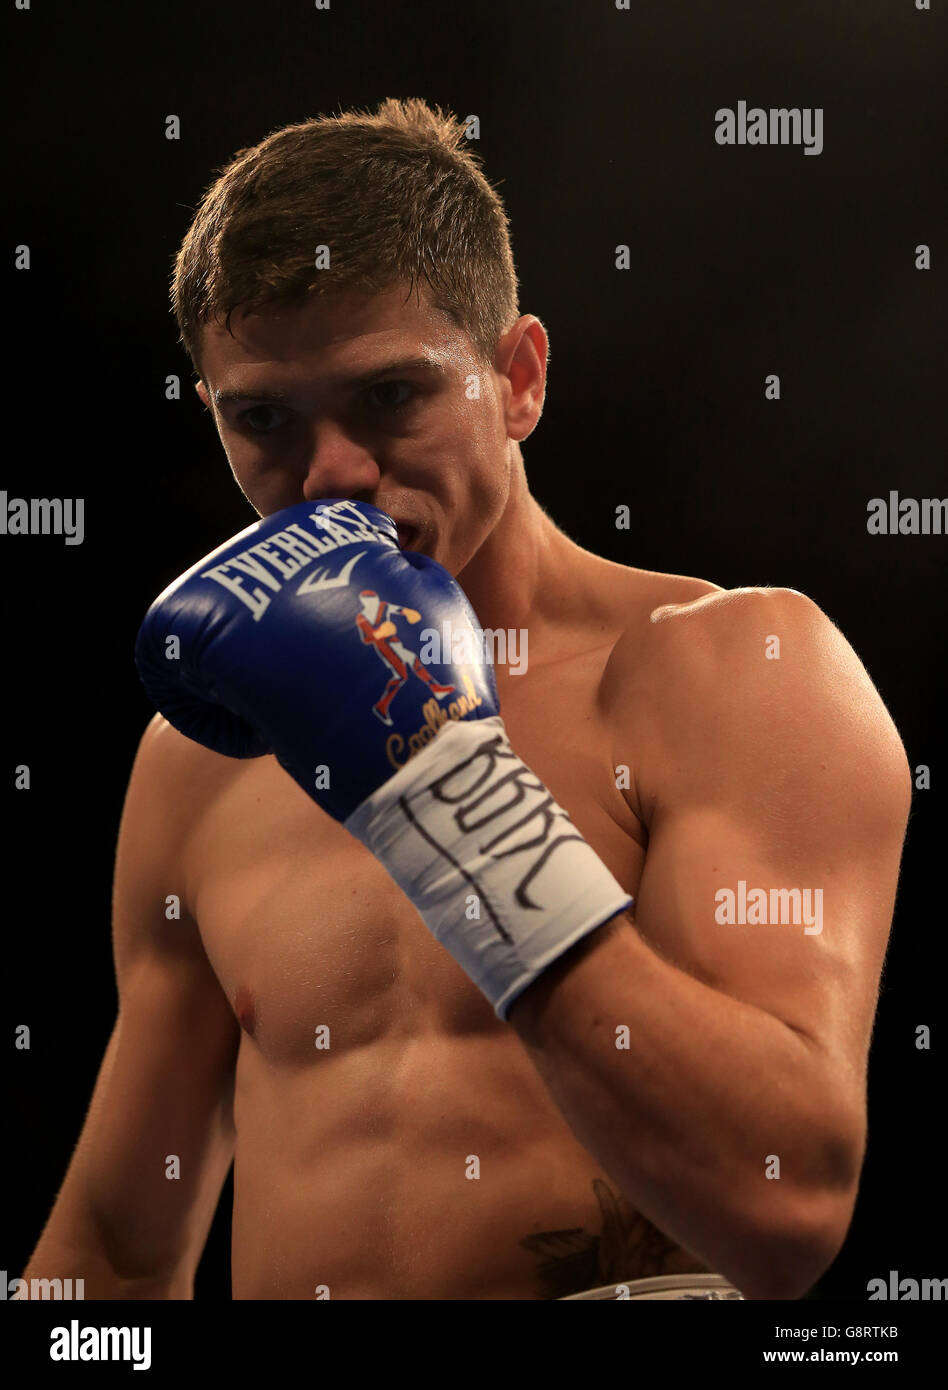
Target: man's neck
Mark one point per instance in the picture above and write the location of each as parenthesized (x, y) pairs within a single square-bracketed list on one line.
[(525, 575)]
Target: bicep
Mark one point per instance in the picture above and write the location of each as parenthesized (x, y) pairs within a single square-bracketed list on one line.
[(798, 931), (781, 791)]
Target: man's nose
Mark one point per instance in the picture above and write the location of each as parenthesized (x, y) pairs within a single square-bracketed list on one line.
[(338, 466)]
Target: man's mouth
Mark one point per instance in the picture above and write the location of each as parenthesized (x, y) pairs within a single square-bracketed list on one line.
[(407, 535)]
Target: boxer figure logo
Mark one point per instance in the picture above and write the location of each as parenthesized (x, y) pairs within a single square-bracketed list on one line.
[(374, 621)]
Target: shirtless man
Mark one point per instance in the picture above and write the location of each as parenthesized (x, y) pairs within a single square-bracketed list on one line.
[(675, 1092)]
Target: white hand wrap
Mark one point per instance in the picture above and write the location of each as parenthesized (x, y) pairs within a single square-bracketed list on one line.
[(497, 870)]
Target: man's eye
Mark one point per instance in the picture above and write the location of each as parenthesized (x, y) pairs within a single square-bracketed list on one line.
[(388, 397), (255, 426)]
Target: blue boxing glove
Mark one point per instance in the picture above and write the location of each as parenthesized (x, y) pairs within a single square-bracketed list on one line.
[(303, 636), (291, 640)]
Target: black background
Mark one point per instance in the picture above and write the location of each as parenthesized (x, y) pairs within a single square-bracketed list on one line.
[(597, 125)]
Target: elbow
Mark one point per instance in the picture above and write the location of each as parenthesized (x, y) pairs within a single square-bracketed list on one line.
[(801, 1229), (793, 1252)]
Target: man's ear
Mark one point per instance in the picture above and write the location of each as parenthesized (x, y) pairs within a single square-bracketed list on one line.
[(201, 389), (522, 357)]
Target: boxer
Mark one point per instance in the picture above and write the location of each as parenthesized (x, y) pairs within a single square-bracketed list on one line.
[(433, 952)]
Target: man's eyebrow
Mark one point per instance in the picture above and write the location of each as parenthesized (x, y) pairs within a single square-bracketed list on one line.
[(399, 364), (273, 397)]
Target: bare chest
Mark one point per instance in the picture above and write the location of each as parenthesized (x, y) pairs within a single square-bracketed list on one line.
[(305, 930)]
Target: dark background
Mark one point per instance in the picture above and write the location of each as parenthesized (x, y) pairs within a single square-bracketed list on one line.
[(598, 127)]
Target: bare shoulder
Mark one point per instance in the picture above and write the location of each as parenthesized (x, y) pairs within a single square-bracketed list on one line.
[(699, 629), (642, 592), (172, 762), (732, 671), (172, 783)]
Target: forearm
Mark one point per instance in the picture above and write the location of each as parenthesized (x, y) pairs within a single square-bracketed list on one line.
[(66, 1252), (686, 1114)]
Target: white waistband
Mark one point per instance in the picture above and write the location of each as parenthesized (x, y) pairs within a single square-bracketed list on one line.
[(682, 1286)]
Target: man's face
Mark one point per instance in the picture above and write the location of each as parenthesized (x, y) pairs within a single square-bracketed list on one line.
[(378, 399)]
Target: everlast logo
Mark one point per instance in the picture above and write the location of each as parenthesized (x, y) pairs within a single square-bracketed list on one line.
[(287, 553)]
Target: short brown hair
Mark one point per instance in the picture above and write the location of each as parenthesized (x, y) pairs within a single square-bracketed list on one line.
[(397, 196)]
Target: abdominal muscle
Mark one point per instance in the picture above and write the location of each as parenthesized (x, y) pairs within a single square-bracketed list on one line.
[(423, 1167)]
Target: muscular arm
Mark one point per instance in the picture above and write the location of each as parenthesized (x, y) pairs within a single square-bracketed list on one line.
[(737, 1044), (166, 1081)]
